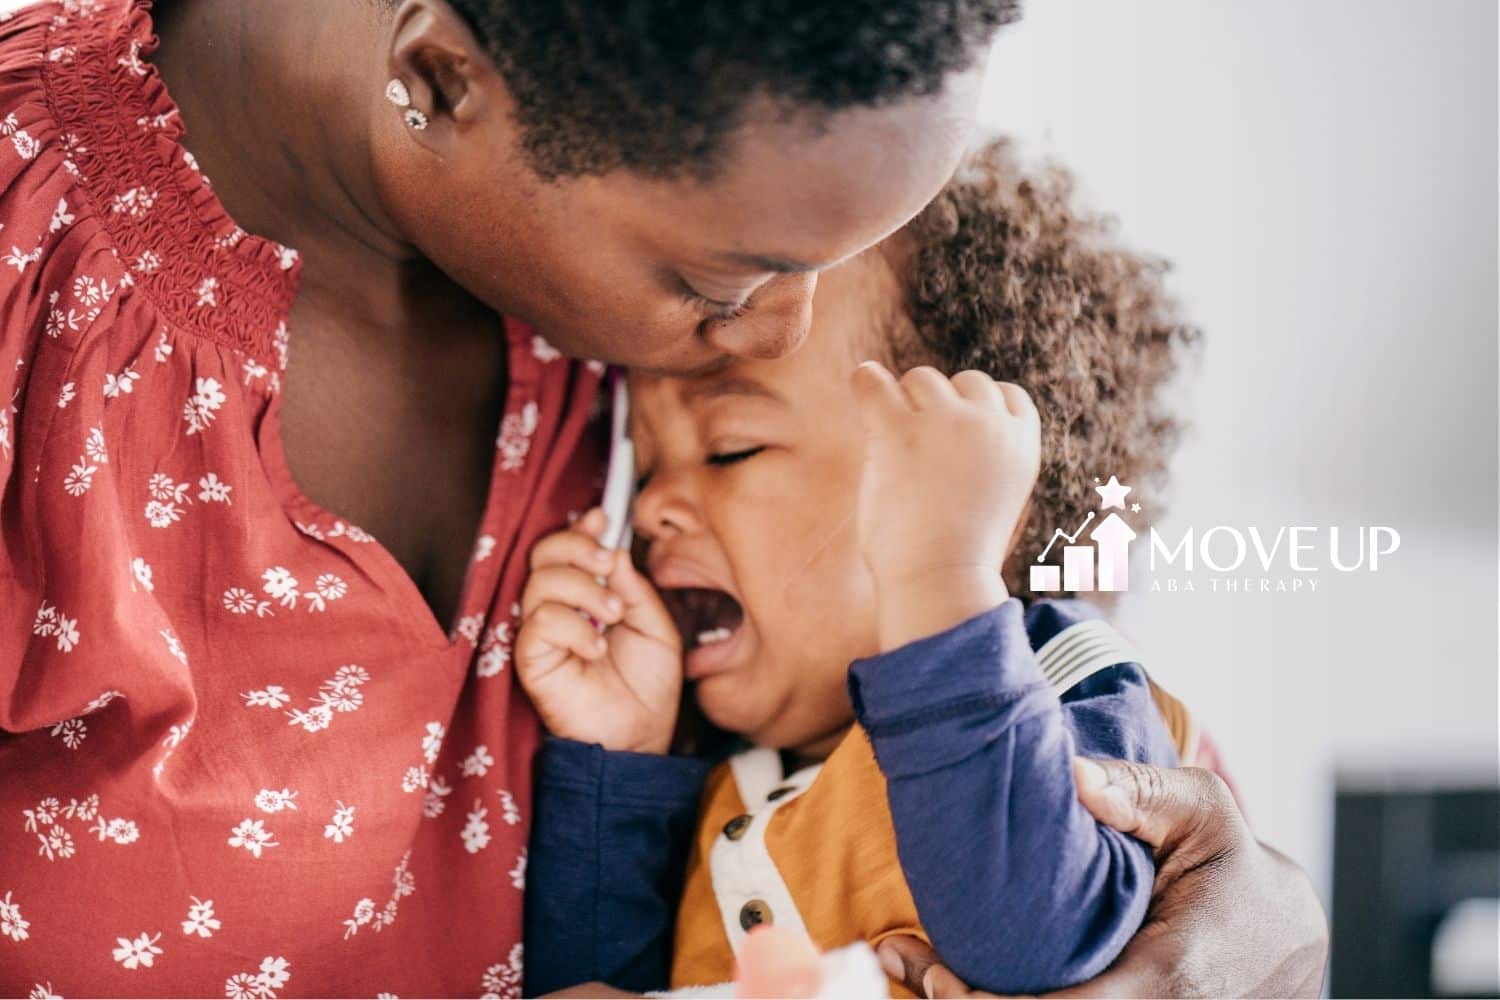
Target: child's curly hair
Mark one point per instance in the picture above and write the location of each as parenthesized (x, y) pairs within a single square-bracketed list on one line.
[(1002, 275)]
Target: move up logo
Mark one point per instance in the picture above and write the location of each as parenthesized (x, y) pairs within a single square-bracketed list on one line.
[(1221, 559)]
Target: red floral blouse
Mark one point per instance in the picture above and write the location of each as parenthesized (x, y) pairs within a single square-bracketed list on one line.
[(240, 757)]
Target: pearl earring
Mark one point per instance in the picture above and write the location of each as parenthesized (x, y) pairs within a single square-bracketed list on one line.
[(397, 94)]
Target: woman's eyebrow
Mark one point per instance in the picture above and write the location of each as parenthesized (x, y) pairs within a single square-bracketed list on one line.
[(769, 263)]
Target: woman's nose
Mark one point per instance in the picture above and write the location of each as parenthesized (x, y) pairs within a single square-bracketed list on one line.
[(776, 322)]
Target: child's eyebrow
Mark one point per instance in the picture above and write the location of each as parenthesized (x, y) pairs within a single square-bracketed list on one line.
[(701, 390)]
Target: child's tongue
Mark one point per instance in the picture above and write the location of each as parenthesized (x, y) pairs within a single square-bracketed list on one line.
[(703, 615)]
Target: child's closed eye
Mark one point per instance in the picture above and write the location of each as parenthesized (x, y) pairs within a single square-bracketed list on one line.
[(731, 457)]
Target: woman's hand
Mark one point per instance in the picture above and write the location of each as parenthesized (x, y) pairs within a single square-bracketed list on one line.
[(620, 688), (1229, 916)]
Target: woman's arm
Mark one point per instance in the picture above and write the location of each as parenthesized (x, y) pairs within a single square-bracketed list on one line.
[(1016, 883), (1229, 916), (607, 856)]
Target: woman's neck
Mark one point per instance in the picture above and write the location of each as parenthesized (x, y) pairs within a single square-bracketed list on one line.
[(276, 95)]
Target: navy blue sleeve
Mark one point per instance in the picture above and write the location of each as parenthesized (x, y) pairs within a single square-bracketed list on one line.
[(609, 844), (1020, 889)]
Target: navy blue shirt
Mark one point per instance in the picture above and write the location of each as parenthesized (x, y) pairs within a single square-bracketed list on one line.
[(1018, 886)]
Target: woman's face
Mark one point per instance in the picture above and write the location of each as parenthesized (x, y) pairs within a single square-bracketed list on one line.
[(676, 275)]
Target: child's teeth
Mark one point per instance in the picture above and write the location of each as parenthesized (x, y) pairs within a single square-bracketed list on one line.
[(713, 635)]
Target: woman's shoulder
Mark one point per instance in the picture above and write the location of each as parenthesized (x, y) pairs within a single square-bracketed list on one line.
[(95, 183)]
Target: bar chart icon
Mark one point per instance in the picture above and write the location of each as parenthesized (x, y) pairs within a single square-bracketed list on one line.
[(1103, 566)]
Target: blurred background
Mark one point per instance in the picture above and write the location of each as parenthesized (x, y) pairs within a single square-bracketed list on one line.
[(1323, 176)]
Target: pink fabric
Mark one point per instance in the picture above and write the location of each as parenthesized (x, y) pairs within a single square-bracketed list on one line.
[(240, 755)]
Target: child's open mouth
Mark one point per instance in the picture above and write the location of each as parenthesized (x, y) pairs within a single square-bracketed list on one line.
[(708, 620)]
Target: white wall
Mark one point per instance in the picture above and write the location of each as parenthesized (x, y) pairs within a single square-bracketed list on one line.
[(1323, 174)]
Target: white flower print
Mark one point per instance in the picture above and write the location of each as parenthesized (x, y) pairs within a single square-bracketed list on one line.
[(212, 489), (327, 587), (280, 339), (17, 259), (52, 622), (166, 495), (403, 884), (83, 809), (80, 478), (65, 397), (415, 779), (12, 924), (469, 627), (94, 447), (311, 530), (476, 832), (174, 645), (280, 584), (118, 830), (518, 873), (484, 547), (134, 203), (56, 843), (285, 256), (239, 601), (432, 742), (25, 145), (176, 734), (478, 763), (208, 292), (60, 216), (271, 696), (115, 385), (509, 811), (432, 800), (341, 826), (45, 812), (203, 405), (243, 986), (275, 972), (200, 919), (163, 349), (138, 953), (87, 291), (272, 801), (141, 571), (543, 351), (147, 262), (340, 693), (252, 835), (494, 651), (43, 991), (229, 239), (71, 732), (253, 370), (514, 441), (503, 979)]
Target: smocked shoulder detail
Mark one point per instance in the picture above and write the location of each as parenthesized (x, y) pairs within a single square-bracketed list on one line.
[(120, 130)]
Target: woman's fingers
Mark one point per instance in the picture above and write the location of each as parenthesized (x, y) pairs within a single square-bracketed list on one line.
[(1159, 805)]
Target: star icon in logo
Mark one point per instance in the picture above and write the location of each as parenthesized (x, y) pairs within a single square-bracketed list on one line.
[(1135, 508), (1113, 494)]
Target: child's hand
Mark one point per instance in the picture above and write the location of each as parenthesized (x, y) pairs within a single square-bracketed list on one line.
[(950, 463), (619, 689)]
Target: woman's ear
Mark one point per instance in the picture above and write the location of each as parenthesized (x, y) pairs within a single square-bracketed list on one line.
[(445, 70)]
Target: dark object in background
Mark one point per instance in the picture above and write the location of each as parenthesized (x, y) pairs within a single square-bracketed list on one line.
[(1403, 860)]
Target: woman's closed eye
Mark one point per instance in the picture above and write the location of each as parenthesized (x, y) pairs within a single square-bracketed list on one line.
[(731, 457)]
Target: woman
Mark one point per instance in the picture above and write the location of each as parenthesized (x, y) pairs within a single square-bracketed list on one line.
[(248, 747)]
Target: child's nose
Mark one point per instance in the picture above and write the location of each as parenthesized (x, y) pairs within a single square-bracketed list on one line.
[(664, 509)]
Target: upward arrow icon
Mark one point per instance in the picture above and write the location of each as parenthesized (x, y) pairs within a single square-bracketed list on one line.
[(1113, 536)]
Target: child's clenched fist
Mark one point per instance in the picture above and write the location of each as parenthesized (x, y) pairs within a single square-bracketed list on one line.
[(949, 465)]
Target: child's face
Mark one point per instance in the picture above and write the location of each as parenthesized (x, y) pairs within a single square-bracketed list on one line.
[(753, 478)]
